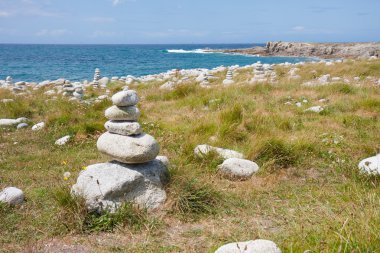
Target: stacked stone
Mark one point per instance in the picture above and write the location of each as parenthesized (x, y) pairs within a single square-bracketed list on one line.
[(78, 93), (259, 74), (271, 74), (68, 89), (9, 81), (135, 173), (205, 82), (229, 78), (124, 140), (97, 77)]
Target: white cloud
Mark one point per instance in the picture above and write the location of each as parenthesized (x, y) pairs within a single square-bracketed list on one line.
[(4, 14), (298, 28), (53, 32), (117, 2), (175, 32), (100, 20)]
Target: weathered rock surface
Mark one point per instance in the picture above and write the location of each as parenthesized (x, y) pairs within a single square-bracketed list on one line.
[(238, 169), (123, 127), (106, 186), (322, 50), (128, 113), (12, 196), (370, 165), (125, 98), (204, 150), (127, 149), (62, 141), (257, 246)]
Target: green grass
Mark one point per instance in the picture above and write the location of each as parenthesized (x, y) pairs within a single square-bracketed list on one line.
[(307, 195)]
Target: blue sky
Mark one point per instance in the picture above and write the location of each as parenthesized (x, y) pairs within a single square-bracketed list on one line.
[(187, 21)]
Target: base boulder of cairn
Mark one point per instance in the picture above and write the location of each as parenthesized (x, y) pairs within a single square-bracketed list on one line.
[(105, 186), (135, 174)]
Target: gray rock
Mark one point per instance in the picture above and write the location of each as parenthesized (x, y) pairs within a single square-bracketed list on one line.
[(106, 186), (257, 246), (239, 169), (12, 196), (22, 125), (203, 150), (127, 149), (62, 141), (123, 127), (11, 122), (104, 81), (38, 126), (128, 113), (125, 98), (370, 166)]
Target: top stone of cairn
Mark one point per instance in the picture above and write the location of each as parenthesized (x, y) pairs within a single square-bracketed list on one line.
[(125, 98)]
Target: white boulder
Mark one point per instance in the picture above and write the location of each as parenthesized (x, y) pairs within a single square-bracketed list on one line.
[(204, 150), (370, 165), (11, 122), (128, 149), (257, 246), (38, 126), (62, 141), (106, 186), (12, 196), (239, 169), (316, 109)]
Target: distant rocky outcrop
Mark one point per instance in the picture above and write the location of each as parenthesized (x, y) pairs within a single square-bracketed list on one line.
[(321, 50)]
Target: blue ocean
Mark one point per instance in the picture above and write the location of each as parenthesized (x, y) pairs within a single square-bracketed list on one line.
[(78, 62)]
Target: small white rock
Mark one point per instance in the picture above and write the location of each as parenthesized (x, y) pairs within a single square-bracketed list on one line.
[(257, 246), (316, 109), (203, 150), (370, 165), (12, 196), (62, 141), (240, 169), (38, 126)]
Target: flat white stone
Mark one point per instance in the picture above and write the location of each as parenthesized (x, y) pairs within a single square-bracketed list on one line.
[(22, 125), (12, 196), (257, 246), (240, 169), (11, 122), (62, 141), (106, 186), (128, 113), (316, 109), (125, 98), (129, 149), (203, 150), (38, 126), (123, 127), (370, 165)]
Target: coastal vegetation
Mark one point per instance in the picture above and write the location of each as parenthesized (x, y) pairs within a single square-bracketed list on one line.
[(307, 195)]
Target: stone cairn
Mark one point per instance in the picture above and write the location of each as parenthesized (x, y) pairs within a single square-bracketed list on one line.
[(78, 93), (97, 77), (271, 74), (9, 81), (229, 78), (135, 173), (259, 74), (68, 89)]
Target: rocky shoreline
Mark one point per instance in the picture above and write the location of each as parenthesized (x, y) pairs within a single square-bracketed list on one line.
[(320, 50)]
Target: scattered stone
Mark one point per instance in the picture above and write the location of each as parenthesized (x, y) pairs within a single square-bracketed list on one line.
[(370, 166), (170, 85), (324, 79), (316, 109), (239, 169), (257, 246), (299, 104), (38, 126), (12, 196), (22, 125), (103, 82), (204, 150), (11, 122), (9, 100), (62, 141)]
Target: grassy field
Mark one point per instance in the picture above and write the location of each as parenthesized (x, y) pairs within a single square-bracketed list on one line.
[(308, 194)]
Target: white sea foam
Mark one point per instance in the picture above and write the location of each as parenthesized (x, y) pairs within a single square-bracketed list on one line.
[(182, 51)]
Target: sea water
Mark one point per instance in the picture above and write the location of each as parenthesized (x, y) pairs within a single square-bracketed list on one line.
[(78, 62)]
